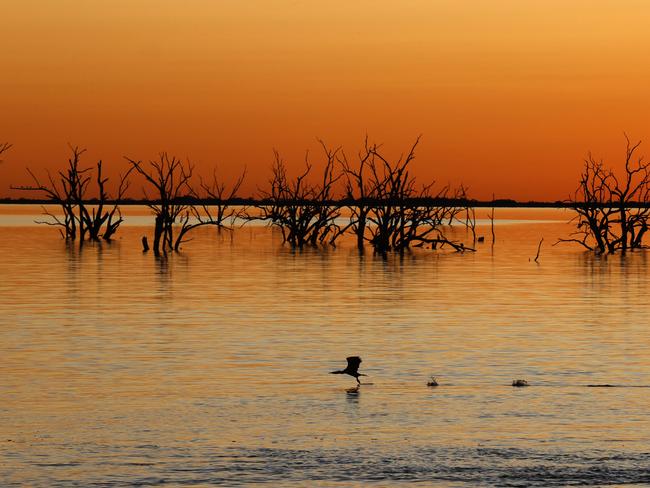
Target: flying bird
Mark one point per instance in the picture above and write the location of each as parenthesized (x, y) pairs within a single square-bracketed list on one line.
[(352, 368)]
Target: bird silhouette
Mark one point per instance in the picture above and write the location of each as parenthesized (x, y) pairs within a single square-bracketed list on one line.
[(352, 368)]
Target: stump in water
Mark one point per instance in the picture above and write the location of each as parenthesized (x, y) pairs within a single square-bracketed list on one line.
[(433, 381), (145, 244)]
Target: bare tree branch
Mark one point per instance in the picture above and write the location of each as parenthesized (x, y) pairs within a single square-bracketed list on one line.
[(304, 212), (170, 178), (69, 190), (612, 212), (4, 146)]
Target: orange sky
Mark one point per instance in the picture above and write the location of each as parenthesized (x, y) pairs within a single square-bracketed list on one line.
[(509, 95)]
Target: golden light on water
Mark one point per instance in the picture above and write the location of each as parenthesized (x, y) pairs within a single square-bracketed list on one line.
[(115, 363), (210, 366)]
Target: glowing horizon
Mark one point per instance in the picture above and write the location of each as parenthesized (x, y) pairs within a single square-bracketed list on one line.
[(509, 96)]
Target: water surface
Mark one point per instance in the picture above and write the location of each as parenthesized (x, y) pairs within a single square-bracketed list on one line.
[(210, 366)]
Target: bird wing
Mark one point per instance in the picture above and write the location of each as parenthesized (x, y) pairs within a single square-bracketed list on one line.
[(353, 363)]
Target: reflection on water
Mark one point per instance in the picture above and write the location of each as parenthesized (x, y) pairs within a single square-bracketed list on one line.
[(211, 366)]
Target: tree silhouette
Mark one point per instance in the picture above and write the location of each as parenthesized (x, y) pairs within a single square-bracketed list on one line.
[(360, 190), (4, 146), (612, 211), (401, 214), (69, 190), (305, 212), (213, 207), (169, 177), (177, 201)]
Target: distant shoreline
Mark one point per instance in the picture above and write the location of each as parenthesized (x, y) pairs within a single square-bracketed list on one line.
[(501, 203), (447, 202)]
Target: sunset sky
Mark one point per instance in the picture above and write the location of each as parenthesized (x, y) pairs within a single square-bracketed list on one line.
[(508, 95)]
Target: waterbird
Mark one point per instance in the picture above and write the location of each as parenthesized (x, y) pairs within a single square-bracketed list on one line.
[(352, 368), (519, 383)]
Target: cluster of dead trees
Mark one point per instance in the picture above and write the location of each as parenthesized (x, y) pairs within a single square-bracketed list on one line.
[(612, 211), (385, 206), (376, 199), (173, 202), (305, 212), (392, 212), (70, 189), (86, 210)]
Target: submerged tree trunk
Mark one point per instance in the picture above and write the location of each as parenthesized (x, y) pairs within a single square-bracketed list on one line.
[(158, 232)]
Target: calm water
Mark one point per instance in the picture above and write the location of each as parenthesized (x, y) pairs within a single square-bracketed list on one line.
[(210, 367)]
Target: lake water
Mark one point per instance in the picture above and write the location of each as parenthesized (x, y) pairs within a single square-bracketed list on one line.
[(210, 367)]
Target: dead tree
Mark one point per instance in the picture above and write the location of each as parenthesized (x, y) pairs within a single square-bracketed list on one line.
[(464, 207), (62, 191), (360, 193), (539, 248), (216, 198), (169, 177), (113, 217), (70, 191), (94, 218), (4, 146), (402, 214), (213, 207), (305, 212), (612, 212)]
